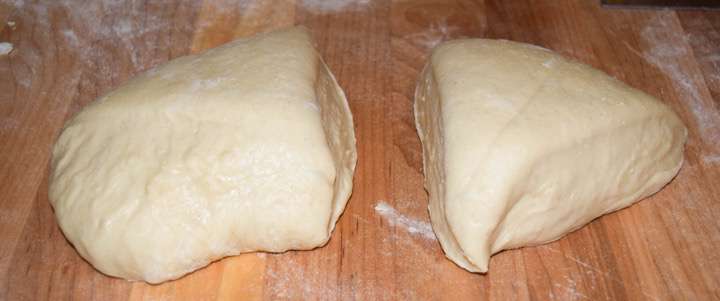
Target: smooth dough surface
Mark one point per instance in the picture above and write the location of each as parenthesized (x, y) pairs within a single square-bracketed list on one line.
[(246, 147), (522, 146)]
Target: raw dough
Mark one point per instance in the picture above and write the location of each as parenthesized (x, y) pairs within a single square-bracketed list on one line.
[(246, 147), (522, 146)]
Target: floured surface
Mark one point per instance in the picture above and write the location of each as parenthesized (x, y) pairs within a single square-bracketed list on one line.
[(5, 48), (66, 54), (410, 225), (333, 6), (665, 54)]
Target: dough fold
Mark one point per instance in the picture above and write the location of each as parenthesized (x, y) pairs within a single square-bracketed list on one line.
[(522, 146), (245, 147)]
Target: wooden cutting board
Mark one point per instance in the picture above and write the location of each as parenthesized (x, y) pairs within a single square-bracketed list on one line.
[(67, 53)]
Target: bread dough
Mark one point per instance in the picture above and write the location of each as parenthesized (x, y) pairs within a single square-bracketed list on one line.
[(246, 147), (522, 146)]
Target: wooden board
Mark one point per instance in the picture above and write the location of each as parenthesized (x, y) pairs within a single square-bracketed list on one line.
[(67, 53)]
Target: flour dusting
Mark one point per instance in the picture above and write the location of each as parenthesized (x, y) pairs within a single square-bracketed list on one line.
[(9, 124), (5, 48), (668, 47), (136, 35), (70, 37), (569, 290), (331, 6), (434, 35), (295, 279), (412, 226), (18, 3), (592, 270), (712, 159)]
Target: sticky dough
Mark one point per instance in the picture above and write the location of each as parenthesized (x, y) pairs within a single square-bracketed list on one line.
[(246, 147), (522, 146)]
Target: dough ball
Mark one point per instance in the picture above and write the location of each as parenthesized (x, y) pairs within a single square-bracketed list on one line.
[(246, 147), (522, 146)]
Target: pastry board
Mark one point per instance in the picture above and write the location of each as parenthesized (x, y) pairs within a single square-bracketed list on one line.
[(67, 53)]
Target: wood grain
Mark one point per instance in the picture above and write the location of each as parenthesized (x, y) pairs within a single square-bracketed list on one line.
[(68, 53)]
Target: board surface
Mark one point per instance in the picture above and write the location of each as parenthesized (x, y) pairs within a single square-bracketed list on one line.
[(67, 53)]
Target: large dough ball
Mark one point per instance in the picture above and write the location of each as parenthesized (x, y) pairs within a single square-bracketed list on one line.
[(246, 147), (522, 146)]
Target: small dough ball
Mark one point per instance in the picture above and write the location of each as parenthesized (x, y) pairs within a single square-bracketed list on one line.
[(522, 146), (246, 147)]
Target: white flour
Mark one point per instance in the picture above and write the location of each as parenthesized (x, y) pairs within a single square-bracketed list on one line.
[(668, 48), (5, 48), (569, 290), (410, 225), (294, 281), (331, 6), (434, 35)]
